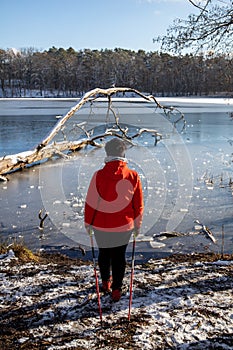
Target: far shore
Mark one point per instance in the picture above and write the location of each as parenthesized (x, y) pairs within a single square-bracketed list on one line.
[(182, 99)]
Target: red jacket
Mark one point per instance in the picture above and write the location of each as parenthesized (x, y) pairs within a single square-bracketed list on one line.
[(114, 201)]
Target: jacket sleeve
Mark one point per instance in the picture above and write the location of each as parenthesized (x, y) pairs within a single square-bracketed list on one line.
[(91, 202), (138, 204)]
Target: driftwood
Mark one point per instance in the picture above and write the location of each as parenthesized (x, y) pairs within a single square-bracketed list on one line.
[(46, 149), (200, 228), (170, 234), (206, 231)]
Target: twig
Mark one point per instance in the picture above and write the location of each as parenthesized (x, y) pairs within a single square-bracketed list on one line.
[(199, 7), (222, 248), (83, 251), (42, 219)]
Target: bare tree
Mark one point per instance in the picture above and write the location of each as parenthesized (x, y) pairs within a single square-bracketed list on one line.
[(67, 73), (210, 29)]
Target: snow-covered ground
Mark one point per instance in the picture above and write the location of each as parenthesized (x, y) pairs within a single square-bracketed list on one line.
[(183, 302)]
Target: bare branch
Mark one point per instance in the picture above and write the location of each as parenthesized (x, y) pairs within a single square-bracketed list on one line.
[(42, 219), (211, 28), (195, 5)]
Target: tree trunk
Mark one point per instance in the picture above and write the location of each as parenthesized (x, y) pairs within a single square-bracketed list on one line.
[(46, 149)]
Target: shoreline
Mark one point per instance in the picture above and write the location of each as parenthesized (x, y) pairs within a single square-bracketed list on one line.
[(228, 100)]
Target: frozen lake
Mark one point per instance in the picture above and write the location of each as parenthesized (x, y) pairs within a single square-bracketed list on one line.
[(185, 177)]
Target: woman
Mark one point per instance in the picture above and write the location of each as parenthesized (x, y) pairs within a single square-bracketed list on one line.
[(114, 209)]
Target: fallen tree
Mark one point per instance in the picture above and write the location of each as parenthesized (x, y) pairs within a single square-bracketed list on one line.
[(48, 147)]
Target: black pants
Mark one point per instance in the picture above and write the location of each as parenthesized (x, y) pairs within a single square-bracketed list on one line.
[(112, 247), (112, 258)]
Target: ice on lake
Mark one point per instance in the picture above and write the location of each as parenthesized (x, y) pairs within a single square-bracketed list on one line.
[(185, 177)]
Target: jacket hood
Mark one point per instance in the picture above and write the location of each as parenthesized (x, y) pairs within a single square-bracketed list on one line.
[(116, 169)]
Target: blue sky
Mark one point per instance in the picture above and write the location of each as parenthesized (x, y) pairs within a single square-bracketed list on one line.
[(92, 24)]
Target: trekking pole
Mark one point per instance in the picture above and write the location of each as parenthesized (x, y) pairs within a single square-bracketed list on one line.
[(131, 277), (96, 276)]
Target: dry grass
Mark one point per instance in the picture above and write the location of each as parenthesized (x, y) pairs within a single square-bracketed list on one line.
[(20, 250)]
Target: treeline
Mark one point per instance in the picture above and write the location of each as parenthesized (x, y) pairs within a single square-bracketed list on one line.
[(70, 73)]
